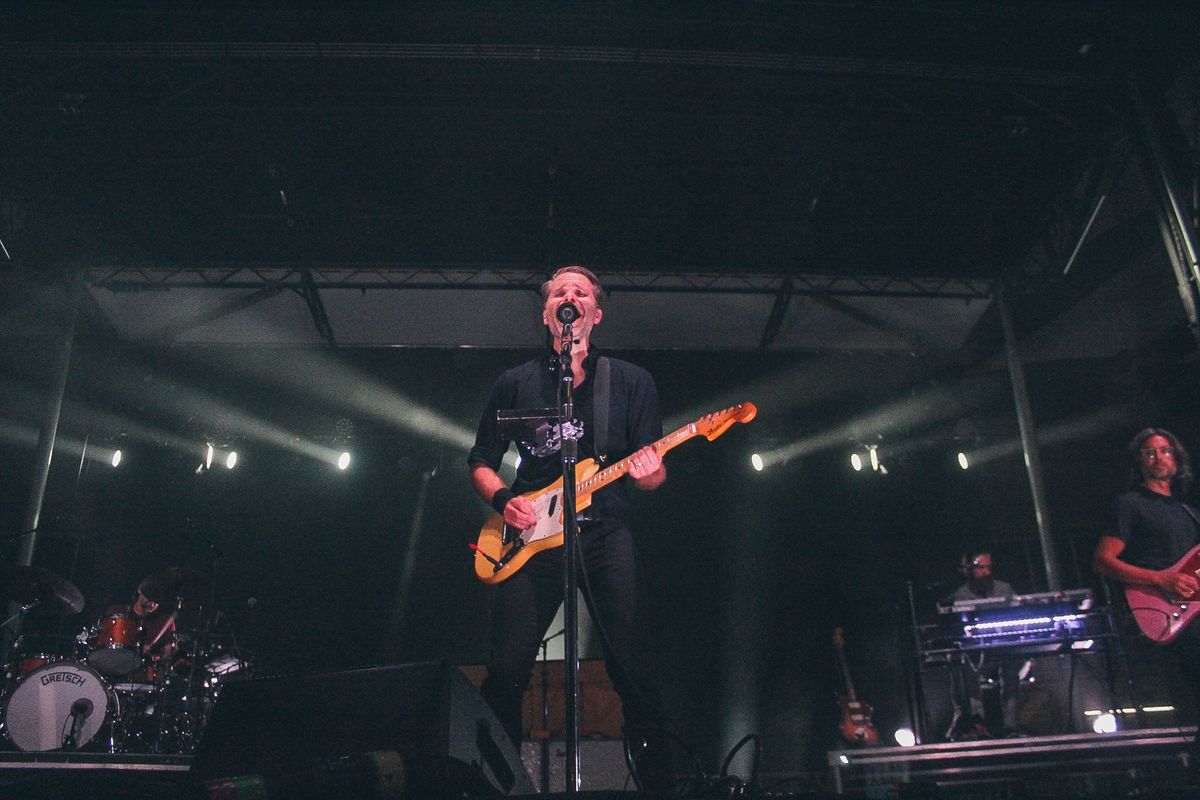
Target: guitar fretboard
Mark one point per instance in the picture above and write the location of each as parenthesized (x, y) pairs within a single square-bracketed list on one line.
[(611, 473), (711, 425)]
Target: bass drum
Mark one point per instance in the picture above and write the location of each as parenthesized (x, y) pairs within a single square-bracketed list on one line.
[(39, 711)]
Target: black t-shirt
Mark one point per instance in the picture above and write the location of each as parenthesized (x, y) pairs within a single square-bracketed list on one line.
[(634, 420), (1157, 530)]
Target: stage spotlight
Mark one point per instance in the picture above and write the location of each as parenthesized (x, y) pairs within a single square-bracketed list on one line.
[(962, 460), (231, 459), (343, 461), (116, 458), (905, 737), (208, 457), (756, 461), (873, 451), (856, 462), (1105, 723)]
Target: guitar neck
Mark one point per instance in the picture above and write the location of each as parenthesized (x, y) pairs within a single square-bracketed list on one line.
[(846, 676), (611, 473)]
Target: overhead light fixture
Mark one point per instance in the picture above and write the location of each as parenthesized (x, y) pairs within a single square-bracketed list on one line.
[(962, 460), (856, 462), (231, 459), (756, 461), (343, 461), (116, 458)]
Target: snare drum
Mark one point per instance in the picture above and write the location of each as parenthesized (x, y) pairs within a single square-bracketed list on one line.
[(40, 709), (115, 645)]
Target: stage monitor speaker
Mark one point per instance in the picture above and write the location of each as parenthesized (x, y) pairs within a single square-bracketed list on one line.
[(429, 713)]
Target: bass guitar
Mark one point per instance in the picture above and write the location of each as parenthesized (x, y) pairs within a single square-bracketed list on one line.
[(1160, 617), (855, 725), (502, 550)]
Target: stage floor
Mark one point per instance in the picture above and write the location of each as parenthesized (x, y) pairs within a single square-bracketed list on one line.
[(1140, 763)]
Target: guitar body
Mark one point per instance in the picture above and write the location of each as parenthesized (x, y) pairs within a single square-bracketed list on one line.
[(546, 534), (500, 552), (1159, 617), (856, 727)]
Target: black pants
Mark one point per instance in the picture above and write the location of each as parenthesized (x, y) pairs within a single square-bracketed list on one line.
[(526, 603), (1186, 651)]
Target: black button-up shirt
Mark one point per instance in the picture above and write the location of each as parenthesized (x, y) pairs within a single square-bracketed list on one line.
[(634, 420)]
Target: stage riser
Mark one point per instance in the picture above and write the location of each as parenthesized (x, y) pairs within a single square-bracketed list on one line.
[(1081, 765)]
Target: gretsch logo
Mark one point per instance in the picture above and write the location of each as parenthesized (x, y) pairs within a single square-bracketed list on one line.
[(63, 677)]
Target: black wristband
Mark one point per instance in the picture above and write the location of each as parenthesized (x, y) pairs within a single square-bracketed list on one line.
[(501, 497)]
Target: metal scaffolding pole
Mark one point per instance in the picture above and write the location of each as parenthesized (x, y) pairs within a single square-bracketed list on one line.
[(1029, 446), (49, 430), (1179, 239)]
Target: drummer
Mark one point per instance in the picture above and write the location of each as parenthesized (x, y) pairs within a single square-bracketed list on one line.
[(154, 608)]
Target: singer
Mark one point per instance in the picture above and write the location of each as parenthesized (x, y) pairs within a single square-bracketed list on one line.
[(526, 603)]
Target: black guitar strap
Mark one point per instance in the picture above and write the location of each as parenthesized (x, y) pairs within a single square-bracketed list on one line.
[(1192, 513), (600, 395)]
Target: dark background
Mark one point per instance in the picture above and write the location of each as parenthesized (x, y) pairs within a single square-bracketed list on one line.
[(158, 151)]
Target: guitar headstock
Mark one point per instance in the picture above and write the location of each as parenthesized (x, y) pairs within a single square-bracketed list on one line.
[(713, 425)]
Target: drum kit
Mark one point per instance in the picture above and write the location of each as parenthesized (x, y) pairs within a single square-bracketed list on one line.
[(127, 684)]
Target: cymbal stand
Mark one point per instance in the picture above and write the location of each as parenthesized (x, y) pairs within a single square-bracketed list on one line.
[(195, 683)]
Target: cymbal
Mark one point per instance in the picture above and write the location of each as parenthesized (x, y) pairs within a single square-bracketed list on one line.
[(169, 584), (27, 585)]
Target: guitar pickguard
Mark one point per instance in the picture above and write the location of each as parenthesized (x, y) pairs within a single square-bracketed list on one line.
[(548, 509)]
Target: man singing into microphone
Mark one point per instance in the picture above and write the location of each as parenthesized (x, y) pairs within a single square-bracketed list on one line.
[(526, 603)]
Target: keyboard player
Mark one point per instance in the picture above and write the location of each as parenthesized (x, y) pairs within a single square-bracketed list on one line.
[(980, 582), (973, 673)]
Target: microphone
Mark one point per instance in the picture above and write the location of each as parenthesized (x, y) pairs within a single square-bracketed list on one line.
[(81, 709), (567, 313)]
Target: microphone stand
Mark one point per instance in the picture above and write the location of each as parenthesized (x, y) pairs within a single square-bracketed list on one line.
[(570, 454)]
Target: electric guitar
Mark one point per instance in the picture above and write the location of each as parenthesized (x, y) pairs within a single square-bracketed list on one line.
[(1160, 617), (855, 726), (502, 550)]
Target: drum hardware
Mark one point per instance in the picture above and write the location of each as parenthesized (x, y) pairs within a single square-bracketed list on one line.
[(107, 694)]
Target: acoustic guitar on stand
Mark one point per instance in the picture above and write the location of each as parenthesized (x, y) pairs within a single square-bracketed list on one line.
[(855, 726), (502, 550)]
